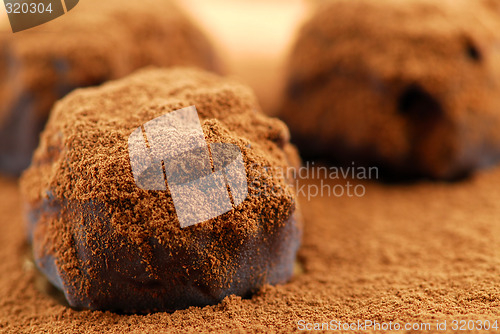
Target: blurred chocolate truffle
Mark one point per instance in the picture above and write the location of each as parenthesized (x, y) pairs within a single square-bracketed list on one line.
[(95, 42), (109, 243), (410, 86)]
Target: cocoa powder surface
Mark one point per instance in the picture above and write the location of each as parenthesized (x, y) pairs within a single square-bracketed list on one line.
[(411, 253)]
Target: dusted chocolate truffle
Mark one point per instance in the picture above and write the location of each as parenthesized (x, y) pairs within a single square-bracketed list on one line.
[(410, 86), (109, 244), (95, 42)]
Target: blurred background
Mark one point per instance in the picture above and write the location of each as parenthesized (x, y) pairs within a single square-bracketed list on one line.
[(253, 39)]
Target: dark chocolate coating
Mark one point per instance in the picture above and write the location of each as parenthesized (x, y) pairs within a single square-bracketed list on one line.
[(119, 279)]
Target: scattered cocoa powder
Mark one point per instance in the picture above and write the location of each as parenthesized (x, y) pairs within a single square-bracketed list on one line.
[(409, 253)]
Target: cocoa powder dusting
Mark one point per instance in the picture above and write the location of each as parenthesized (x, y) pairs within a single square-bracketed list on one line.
[(90, 216)]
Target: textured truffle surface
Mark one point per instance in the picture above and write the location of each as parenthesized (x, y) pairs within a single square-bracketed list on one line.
[(109, 244), (95, 42), (410, 86)]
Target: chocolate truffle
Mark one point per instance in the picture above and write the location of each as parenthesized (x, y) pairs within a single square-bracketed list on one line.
[(95, 42), (109, 243), (410, 86)]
